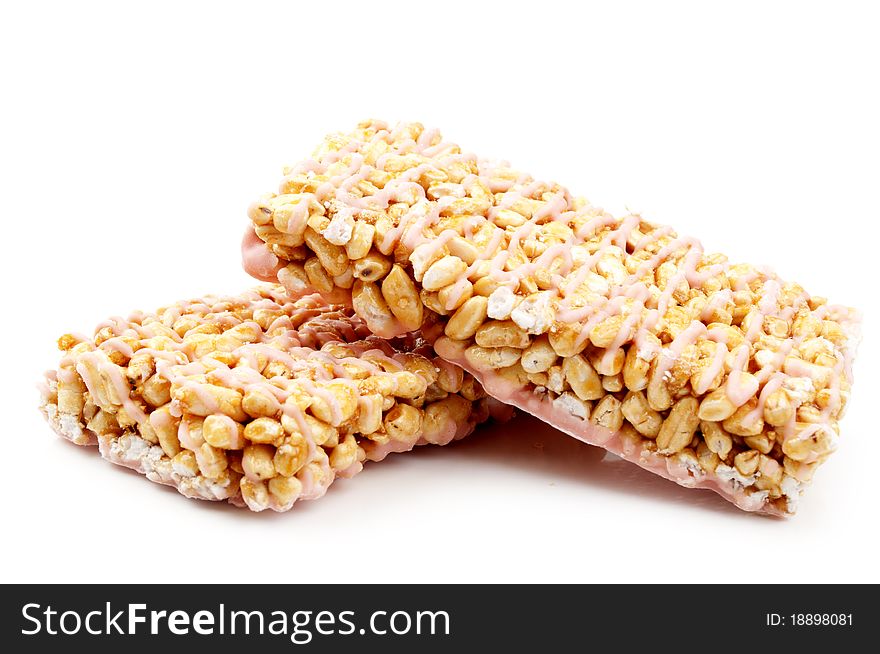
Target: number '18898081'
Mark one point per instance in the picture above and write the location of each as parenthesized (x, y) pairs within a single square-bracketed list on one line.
[(810, 620)]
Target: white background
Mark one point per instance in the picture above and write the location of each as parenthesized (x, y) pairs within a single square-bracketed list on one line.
[(135, 135)]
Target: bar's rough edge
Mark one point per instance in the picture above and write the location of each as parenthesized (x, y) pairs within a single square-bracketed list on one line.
[(130, 450), (659, 464)]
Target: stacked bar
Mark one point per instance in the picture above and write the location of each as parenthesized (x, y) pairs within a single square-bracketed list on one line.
[(254, 398), (615, 330)]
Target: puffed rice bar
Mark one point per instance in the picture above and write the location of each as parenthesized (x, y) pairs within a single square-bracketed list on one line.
[(254, 399), (615, 330)]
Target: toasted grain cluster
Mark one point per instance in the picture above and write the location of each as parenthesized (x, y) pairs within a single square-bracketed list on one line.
[(618, 321), (255, 398)]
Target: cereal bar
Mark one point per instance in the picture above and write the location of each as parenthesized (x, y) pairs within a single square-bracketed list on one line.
[(255, 399), (614, 329)]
